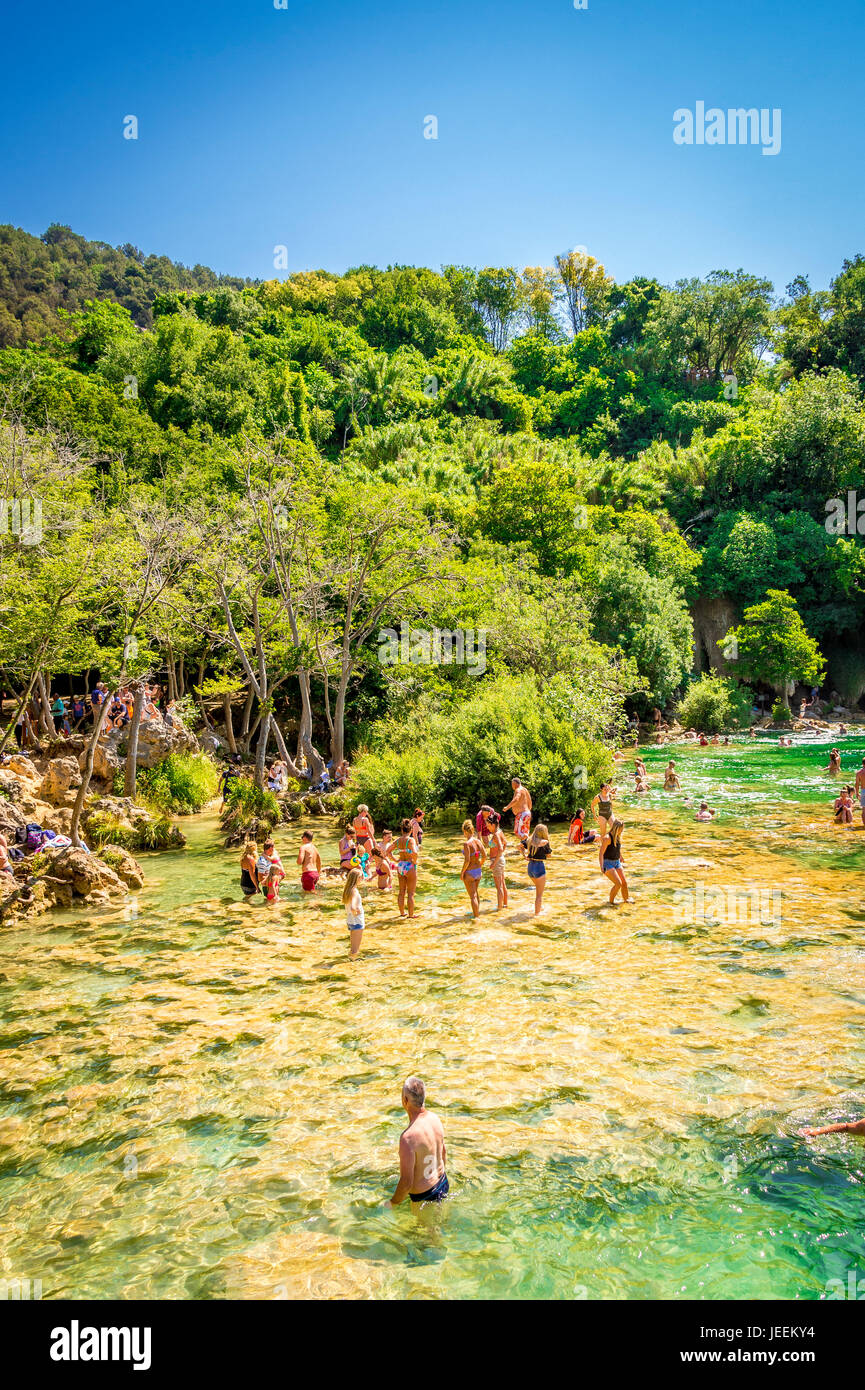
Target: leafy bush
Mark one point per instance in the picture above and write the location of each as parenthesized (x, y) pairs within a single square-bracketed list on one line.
[(245, 802), (714, 703), (780, 713), (154, 833), (180, 785), (469, 756)]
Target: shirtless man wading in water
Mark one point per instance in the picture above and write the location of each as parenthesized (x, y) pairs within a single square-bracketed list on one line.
[(859, 784), (422, 1153), (521, 805)]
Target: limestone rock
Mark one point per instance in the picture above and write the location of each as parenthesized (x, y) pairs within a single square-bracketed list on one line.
[(105, 762), (156, 740), (85, 872), (62, 777), (123, 864)]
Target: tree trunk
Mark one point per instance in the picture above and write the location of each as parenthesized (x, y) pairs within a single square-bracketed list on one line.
[(87, 772), (131, 770), (293, 769), (304, 733), (229, 723), (247, 714), (172, 674), (261, 752), (22, 704), (339, 719), (46, 722)]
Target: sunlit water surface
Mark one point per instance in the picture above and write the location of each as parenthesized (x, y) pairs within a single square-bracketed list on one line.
[(199, 1096)]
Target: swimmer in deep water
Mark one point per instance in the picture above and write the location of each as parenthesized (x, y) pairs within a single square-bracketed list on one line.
[(422, 1150), (671, 778), (833, 767), (474, 855)]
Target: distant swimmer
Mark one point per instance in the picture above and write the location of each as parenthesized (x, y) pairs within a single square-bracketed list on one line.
[(833, 767), (854, 1127), (474, 855), (422, 1151), (671, 778), (860, 788), (602, 806), (705, 812), (521, 805), (309, 861)]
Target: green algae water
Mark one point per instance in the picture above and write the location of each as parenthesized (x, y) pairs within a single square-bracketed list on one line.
[(199, 1096)]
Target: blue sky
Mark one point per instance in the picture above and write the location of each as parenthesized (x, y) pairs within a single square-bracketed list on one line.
[(303, 127)]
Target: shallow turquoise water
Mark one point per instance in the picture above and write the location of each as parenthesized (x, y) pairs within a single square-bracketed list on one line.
[(198, 1098)]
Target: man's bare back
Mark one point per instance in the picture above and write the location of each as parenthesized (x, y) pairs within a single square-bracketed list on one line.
[(422, 1151)]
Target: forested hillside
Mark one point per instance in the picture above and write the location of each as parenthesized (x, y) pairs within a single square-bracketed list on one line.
[(254, 481)]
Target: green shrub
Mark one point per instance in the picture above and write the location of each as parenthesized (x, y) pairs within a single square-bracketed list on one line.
[(245, 802), (780, 713), (180, 785), (157, 832), (469, 756), (714, 703)]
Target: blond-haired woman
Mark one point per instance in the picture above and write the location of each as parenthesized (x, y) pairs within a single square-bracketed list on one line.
[(539, 850), (474, 855), (354, 914), (249, 869), (610, 859)]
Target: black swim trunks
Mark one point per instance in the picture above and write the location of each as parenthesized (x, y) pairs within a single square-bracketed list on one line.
[(433, 1194)]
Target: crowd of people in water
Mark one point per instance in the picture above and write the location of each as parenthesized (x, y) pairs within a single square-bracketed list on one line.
[(385, 860)]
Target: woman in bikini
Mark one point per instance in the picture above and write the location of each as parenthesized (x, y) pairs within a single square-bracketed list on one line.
[(498, 856), (539, 850), (364, 830), (347, 849), (474, 855), (610, 860), (381, 864), (406, 867)]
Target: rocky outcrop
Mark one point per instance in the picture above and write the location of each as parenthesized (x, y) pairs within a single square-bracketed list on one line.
[(157, 740), (127, 869), (86, 873), (106, 762), (61, 781)]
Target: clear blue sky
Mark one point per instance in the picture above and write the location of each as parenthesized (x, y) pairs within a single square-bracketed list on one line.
[(304, 127)]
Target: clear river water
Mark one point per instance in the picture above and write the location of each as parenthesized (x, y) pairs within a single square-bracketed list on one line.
[(199, 1097)]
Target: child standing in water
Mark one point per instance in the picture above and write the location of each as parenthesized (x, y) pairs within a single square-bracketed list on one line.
[(474, 855), (539, 850), (354, 913), (406, 867), (610, 859), (498, 856)]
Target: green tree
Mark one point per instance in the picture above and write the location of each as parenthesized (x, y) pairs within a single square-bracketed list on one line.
[(772, 645)]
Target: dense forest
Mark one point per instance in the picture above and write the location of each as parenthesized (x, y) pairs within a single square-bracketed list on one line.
[(280, 495)]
